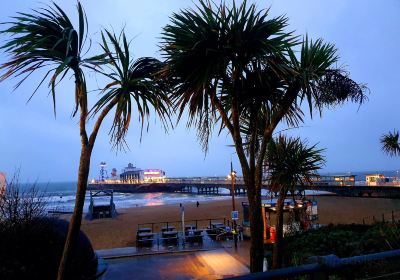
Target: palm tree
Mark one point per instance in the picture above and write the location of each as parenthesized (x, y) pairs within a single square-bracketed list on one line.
[(390, 143), (229, 64), (47, 39), (290, 162)]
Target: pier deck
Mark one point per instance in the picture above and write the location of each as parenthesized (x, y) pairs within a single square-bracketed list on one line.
[(214, 188)]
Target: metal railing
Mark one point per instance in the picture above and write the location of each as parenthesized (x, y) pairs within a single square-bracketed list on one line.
[(198, 223), (158, 239), (321, 267)]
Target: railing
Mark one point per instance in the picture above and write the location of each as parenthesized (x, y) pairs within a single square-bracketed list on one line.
[(323, 267), (198, 223), (198, 234), (393, 216), (179, 180)]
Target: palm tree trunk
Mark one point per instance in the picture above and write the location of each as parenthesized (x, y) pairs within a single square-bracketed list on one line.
[(76, 219), (83, 174), (256, 230), (278, 246)]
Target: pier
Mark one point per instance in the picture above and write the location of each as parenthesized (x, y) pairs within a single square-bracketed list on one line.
[(208, 188), (215, 185)]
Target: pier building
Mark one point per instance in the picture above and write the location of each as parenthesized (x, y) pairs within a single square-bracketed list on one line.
[(154, 176), (131, 174)]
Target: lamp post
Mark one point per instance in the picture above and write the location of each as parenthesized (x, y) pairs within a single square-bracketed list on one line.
[(233, 178)]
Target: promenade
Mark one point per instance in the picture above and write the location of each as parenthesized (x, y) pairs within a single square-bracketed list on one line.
[(210, 264)]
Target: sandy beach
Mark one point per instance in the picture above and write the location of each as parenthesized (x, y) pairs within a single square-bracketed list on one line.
[(120, 232)]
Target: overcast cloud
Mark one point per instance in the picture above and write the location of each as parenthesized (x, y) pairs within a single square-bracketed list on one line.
[(365, 32)]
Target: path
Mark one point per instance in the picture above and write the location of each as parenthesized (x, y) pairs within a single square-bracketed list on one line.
[(214, 264)]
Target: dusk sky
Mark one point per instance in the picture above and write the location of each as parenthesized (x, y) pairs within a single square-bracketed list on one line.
[(366, 33)]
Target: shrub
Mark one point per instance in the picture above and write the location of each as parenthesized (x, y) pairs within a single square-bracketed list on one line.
[(31, 244), (346, 241)]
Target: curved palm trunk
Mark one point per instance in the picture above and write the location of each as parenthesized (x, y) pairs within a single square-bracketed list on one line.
[(278, 246), (76, 218), (83, 174)]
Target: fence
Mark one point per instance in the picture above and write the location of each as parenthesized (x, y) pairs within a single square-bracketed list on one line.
[(198, 223), (170, 236), (393, 216), (325, 266)]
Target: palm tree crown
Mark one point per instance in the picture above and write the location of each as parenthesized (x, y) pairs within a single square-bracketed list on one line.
[(236, 61), (221, 51), (291, 161), (133, 82), (390, 143), (47, 38)]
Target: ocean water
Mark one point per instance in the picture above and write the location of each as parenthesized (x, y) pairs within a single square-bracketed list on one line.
[(61, 197)]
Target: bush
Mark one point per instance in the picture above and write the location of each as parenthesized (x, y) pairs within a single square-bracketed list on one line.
[(31, 244), (346, 241), (33, 249)]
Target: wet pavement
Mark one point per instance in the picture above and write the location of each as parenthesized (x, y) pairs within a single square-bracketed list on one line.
[(211, 264)]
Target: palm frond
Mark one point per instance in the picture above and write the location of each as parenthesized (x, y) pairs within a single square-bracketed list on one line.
[(321, 83), (205, 46), (291, 161), (133, 83), (46, 38), (390, 143)]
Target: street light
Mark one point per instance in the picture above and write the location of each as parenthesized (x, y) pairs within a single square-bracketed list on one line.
[(232, 176)]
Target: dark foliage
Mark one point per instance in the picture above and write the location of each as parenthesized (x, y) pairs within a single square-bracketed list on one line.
[(291, 161), (346, 241), (31, 244), (32, 249), (390, 143), (21, 204)]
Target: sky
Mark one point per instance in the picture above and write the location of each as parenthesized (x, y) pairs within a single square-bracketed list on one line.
[(47, 149)]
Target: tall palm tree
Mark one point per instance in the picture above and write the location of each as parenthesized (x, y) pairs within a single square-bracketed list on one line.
[(229, 64), (47, 39), (390, 143), (290, 162)]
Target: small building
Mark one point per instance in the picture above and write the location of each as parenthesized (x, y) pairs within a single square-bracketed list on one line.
[(298, 216), (334, 180), (381, 180), (131, 174), (154, 175)]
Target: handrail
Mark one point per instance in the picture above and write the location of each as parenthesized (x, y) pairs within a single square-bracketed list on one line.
[(326, 264)]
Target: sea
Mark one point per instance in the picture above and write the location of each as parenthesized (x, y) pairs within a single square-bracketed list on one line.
[(60, 196)]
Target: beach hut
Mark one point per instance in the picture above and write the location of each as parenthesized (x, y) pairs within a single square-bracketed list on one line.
[(298, 215), (103, 209)]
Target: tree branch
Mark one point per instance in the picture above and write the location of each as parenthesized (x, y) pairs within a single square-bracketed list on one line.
[(289, 98), (100, 119), (237, 137)]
